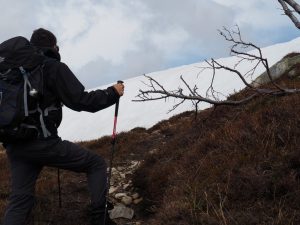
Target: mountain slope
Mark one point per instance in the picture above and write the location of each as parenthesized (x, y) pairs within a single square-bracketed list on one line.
[(78, 126), (231, 165)]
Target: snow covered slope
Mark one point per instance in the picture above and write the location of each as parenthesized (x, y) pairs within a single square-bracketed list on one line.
[(77, 126)]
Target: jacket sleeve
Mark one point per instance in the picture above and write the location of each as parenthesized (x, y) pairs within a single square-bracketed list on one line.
[(72, 93)]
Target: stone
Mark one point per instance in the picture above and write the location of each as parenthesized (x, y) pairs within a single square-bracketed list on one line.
[(293, 73), (120, 195), (153, 151), (137, 201), (127, 200), (119, 168), (134, 164), (113, 181), (135, 195), (125, 186), (114, 170), (112, 190), (156, 132), (121, 211), (277, 70)]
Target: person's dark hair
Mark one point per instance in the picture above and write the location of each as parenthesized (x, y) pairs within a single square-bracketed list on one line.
[(43, 38)]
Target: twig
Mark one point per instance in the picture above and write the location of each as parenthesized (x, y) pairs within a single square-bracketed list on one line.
[(157, 91)]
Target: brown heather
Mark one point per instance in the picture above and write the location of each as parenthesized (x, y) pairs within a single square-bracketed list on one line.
[(229, 166)]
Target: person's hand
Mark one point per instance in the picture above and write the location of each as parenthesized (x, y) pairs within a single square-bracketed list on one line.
[(119, 88)]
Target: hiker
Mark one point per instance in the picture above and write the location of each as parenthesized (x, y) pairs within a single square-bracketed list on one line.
[(27, 158)]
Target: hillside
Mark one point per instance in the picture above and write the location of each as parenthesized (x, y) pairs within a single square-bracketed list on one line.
[(229, 165)]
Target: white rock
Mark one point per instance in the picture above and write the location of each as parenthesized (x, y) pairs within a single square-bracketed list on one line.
[(277, 70), (119, 168), (134, 164), (112, 190), (137, 201), (127, 200), (126, 186), (114, 170), (121, 211), (135, 195), (120, 195)]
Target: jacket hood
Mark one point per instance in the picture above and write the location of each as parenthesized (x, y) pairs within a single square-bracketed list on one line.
[(50, 52)]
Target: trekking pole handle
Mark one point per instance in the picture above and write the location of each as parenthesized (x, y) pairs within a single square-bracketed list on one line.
[(117, 103), (116, 115)]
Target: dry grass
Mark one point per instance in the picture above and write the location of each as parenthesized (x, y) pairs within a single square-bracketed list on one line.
[(4, 185)]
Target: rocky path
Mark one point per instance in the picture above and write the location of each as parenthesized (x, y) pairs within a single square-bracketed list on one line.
[(123, 195)]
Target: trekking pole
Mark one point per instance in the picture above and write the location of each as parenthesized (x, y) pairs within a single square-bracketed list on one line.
[(59, 188), (114, 137)]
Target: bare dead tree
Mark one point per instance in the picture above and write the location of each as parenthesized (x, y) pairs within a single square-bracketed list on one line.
[(241, 50), (292, 9)]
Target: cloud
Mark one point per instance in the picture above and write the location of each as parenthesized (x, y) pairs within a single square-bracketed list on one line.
[(90, 31), (17, 18), (258, 15), (119, 39), (136, 64), (98, 70), (119, 34)]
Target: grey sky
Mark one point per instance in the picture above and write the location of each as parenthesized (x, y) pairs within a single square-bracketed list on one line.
[(106, 40)]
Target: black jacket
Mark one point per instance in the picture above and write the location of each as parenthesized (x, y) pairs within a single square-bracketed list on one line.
[(61, 87)]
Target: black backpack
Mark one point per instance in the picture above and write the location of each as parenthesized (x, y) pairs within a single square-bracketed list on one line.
[(21, 88)]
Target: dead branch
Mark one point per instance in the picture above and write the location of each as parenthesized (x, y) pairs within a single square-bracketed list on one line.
[(148, 95), (286, 6), (241, 50), (238, 49)]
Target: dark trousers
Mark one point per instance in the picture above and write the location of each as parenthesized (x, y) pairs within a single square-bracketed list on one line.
[(27, 161)]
